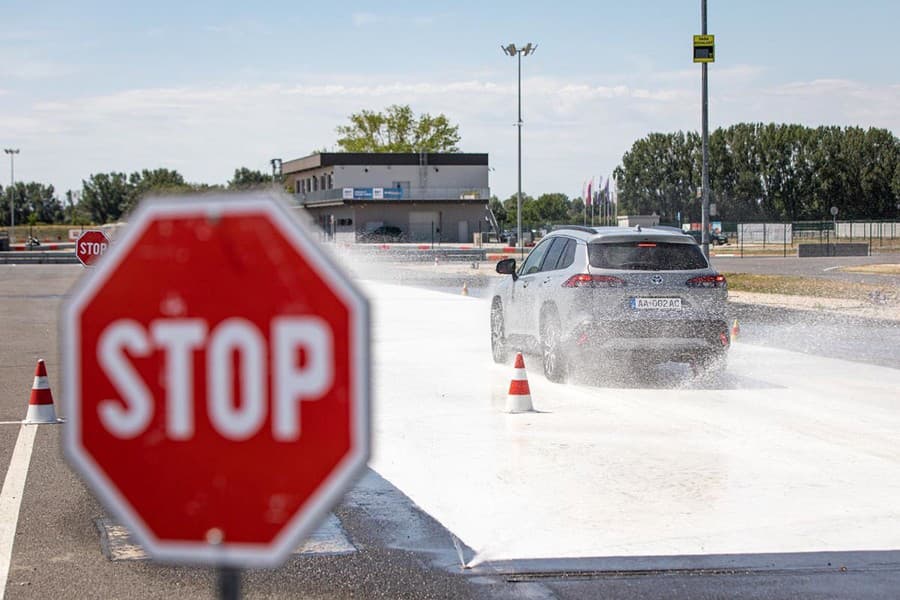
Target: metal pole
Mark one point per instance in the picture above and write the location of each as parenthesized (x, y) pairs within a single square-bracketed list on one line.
[(229, 583), (12, 183), (520, 241), (705, 135)]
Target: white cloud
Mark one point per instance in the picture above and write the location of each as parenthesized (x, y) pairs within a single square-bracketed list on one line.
[(364, 19), (361, 19), (573, 129), (32, 69)]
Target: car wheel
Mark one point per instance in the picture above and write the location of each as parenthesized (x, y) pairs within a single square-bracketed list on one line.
[(498, 343), (710, 365), (551, 350)]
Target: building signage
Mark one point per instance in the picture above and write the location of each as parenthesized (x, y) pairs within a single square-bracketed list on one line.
[(372, 193)]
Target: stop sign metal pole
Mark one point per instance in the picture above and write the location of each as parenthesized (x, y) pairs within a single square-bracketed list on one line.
[(229, 583)]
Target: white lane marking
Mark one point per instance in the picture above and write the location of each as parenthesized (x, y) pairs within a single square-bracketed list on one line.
[(831, 268), (11, 498)]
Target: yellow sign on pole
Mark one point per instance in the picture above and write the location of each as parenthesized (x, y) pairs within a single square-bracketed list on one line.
[(704, 48)]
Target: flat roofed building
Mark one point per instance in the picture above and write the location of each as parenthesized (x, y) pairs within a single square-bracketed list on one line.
[(411, 197)]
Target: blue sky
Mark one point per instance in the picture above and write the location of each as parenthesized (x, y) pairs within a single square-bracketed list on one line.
[(204, 88)]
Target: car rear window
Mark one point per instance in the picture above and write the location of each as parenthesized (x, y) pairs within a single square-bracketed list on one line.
[(646, 256)]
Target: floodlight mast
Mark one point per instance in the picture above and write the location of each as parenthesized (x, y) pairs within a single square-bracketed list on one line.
[(12, 192), (511, 50)]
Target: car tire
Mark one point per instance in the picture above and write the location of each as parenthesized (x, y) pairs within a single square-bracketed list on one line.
[(552, 356), (499, 351), (710, 365)]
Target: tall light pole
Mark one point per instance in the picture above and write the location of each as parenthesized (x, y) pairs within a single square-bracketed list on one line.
[(511, 50), (705, 125), (12, 182)]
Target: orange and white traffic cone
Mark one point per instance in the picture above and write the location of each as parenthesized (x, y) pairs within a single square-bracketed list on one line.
[(735, 330), (40, 405), (518, 399), (465, 289)]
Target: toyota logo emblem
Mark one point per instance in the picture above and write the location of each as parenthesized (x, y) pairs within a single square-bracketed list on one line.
[(656, 279)]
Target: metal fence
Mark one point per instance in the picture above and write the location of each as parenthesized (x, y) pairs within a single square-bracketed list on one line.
[(877, 234)]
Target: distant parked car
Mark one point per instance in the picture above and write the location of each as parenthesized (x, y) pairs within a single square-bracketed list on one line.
[(385, 233), (587, 296), (716, 238)]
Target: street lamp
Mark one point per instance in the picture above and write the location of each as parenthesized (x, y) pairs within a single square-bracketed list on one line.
[(12, 182), (276, 170), (511, 50)]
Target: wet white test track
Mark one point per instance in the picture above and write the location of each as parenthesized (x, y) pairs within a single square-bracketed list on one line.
[(787, 454)]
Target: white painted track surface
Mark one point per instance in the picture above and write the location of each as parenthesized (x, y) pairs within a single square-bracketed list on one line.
[(787, 453)]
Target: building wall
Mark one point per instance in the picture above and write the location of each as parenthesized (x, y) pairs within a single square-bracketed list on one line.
[(456, 176), (414, 219)]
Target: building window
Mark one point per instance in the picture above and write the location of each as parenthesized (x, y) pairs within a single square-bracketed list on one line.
[(297, 188), (331, 181)]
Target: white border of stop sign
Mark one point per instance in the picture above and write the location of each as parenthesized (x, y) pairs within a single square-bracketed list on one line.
[(332, 488)]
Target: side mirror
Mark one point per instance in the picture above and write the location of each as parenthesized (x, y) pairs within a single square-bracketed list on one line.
[(507, 266)]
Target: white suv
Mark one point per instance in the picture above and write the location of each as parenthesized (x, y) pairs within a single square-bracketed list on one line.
[(589, 295)]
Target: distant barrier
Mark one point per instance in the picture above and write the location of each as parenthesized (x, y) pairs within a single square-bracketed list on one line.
[(817, 250), (18, 257)]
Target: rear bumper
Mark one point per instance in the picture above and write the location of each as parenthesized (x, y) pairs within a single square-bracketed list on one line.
[(673, 340)]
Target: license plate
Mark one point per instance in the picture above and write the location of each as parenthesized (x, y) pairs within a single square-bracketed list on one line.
[(656, 303)]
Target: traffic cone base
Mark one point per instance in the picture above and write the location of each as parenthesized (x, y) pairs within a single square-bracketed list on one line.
[(40, 405), (518, 398), (41, 413)]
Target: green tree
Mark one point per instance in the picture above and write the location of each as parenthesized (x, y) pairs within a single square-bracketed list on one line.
[(105, 195), (396, 129), (156, 182), (499, 211), (41, 203), (552, 208), (764, 171), (511, 206), (32, 201), (245, 179)]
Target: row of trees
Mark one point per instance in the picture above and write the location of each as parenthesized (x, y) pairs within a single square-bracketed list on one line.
[(764, 172), (548, 209), (105, 197)]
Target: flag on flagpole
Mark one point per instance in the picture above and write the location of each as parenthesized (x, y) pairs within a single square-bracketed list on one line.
[(584, 195), (589, 200)]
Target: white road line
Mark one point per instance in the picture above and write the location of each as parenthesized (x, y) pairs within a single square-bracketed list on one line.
[(11, 498), (831, 268)]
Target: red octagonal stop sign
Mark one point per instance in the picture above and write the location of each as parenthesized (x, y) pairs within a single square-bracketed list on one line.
[(216, 369), (91, 245)]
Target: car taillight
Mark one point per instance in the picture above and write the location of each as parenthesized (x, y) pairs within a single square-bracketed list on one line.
[(708, 281), (593, 281)]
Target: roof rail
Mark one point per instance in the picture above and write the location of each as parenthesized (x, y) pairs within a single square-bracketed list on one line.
[(583, 228), (666, 228)]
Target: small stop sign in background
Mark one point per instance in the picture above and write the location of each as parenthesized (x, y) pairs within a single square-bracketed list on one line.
[(91, 245), (218, 265)]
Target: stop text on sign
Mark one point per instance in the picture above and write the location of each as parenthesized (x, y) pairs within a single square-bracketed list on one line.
[(92, 248), (292, 383)]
